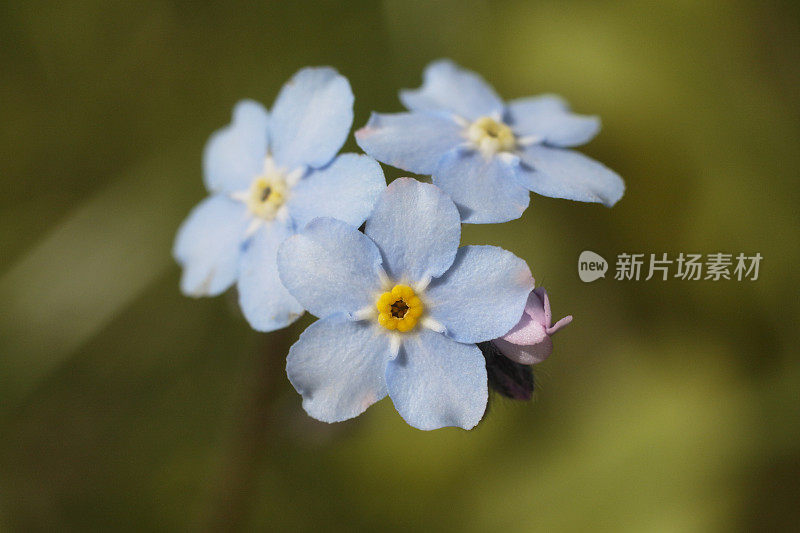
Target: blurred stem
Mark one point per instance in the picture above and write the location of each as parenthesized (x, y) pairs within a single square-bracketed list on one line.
[(233, 494)]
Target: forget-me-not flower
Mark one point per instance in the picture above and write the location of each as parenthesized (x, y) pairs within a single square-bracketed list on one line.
[(401, 307), (487, 154), (268, 175)]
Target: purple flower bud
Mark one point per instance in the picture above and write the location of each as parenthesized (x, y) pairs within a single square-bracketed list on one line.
[(529, 341), (506, 377)]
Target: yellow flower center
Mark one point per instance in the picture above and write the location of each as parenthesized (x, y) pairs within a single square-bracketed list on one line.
[(491, 136), (399, 308), (267, 194)]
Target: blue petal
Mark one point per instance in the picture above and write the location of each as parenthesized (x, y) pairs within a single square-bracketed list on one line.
[(208, 245), (235, 154), (446, 86), (484, 189), (265, 302), (567, 174), (549, 118), (435, 382), (417, 229), (311, 118), (330, 267), (542, 104), (338, 366), (412, 141), (347, 189), (482, 296)]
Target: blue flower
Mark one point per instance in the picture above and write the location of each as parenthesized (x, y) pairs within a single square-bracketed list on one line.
[(401, 307), (268, 175), (487, 154)]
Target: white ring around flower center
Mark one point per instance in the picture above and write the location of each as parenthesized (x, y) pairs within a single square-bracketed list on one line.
[(491, 136)]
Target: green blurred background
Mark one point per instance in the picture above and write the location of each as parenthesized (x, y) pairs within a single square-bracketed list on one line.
[(667, 405)]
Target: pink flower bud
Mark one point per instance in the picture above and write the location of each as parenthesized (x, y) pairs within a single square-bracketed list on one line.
[(529, 341)]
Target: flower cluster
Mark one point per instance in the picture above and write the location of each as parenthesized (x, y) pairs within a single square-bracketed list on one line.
[(403, 310)]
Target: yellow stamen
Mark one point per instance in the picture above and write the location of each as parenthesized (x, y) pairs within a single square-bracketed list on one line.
[(399, 309), (267, 195), (491, 136)]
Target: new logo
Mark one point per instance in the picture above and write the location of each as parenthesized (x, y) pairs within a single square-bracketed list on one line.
[(591, 266)]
